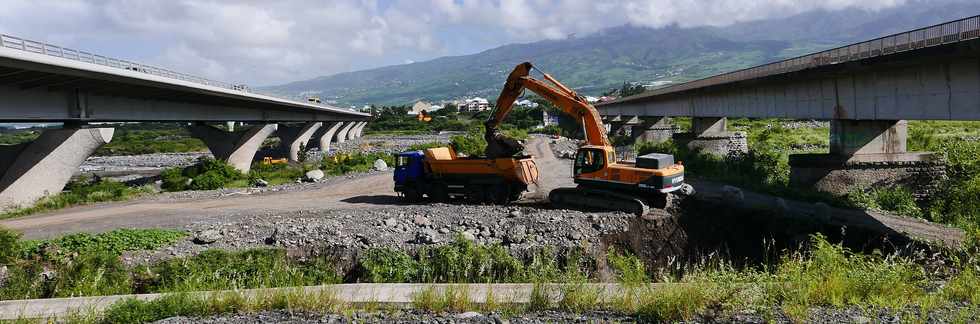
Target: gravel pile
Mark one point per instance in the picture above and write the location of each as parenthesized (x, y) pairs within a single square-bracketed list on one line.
[(406, 316), (519, 228), (806, 124), (155, 161), (564, 147)]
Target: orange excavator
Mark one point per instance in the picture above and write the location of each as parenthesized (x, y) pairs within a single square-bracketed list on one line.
[(603, 182)]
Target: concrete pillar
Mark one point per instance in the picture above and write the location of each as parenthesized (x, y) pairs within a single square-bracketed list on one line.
[(342, 133), (43, 167), (867, 153), (237, 148), (654, 129), (292, 139), (617, 125), (360, 129), (325, 134), (352, 130), (711, 135)]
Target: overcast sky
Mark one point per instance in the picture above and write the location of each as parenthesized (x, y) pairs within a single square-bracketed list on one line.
[(266, 42)]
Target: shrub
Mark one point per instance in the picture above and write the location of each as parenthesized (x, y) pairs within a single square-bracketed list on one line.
[(207, 174), (340, 164), (114, 242), (8, 245)]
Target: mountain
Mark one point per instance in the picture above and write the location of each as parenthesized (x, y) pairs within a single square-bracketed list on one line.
[(598, 62)]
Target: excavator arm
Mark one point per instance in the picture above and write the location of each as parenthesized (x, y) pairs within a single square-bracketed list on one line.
[(566, 100)]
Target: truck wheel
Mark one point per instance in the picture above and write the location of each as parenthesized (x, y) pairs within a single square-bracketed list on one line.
[(438, 193), (499, 194), (476, 194), (412, 195)]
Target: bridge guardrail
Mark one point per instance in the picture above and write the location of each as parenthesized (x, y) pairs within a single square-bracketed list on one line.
[(945, 33), (17, 43)]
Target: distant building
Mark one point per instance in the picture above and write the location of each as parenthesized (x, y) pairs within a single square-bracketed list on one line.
[(591, 99), (527, 104), (476, 104)]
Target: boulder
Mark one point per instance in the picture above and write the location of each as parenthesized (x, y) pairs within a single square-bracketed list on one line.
[(468, 315), (426, 236), (313, 175), (380, 165), (514, 213), (261, 183), (391, 222), (207, 237), (422, 221), (516, 234), (467, 235)]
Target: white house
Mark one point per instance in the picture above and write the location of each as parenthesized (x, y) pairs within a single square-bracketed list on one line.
[(477, 104)]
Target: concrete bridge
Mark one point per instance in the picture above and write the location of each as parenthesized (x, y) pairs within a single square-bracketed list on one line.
[(866, 90), (45, 83)]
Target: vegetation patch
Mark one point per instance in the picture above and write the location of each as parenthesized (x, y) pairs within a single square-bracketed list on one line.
[(80, 192), (344, 163)]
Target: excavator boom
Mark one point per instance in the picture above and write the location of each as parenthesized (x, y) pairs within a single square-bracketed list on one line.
[(565, 99)]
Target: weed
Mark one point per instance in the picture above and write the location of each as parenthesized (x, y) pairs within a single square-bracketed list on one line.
[(8, 245), (218, 270), (82, 191), (540, 298), (579, 297), (113, 242), (451, 298), (629, 269)]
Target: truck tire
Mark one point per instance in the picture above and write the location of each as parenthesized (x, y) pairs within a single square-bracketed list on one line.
[(412, 195), (439, 193), (499, 194)]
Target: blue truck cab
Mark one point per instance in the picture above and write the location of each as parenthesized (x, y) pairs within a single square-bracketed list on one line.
[(409, 170)]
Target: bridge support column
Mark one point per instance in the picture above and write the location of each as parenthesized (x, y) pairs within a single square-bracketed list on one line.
[(352, 133), (43, 167), (867, 153), (654, 129), (237, 148), (711, 135), (360, 129), (293, 140), (342, 133), (324, 135)]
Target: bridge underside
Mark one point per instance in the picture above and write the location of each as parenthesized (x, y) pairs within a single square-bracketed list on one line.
[(940, 83)]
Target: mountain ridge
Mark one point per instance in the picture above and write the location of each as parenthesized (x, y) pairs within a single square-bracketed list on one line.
[(605, 59)]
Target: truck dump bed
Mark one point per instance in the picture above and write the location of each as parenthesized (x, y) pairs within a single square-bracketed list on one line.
[(443, 161)]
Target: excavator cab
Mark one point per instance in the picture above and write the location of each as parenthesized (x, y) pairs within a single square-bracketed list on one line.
[(589, 160)]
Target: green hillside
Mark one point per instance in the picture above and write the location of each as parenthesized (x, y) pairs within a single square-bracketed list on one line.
[(598, 62)]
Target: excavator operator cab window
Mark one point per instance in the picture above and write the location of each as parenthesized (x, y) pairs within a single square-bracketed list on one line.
[(587, 161)]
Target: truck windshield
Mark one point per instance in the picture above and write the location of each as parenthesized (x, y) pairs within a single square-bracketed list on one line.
[(402, 161)]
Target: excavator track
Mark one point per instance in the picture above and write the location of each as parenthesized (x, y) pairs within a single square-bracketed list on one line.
[(589, 198)]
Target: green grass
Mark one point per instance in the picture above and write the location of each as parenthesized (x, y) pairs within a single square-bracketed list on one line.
[(220, 270), (79, 193), (77, 264), (136, 311), (344, 163)]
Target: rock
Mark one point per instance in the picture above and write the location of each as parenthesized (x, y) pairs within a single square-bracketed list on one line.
[(686, 189), (422, 221), (272, 239), (733, 194), (3, 275), (468, 315), (313, 175), (391, 222), (426, 236), (444, 230), (49, 274), (575, 236), (261, 183), (469, 236), (515, 213), (860, 320), (188, 182), (207, 237), (380, 165), (516, 234)]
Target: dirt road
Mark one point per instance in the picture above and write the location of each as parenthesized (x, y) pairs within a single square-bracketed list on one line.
[(370, 191)]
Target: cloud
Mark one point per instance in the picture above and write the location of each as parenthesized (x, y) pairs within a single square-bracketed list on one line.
[(270, 42)]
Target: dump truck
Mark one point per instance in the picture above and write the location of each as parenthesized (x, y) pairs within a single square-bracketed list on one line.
[(440, 174)]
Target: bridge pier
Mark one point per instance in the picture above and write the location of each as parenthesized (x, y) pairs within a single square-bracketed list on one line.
[(44, 166), (293, 140), (352, 133), (324, 135), (342, 133), (237, 148), (617, 125), (711, 135), (867, 153), (360, 129), (654, 129)]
